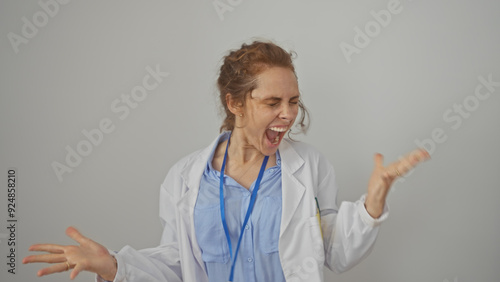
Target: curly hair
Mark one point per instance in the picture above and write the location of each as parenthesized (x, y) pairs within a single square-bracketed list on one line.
[(239, 71)]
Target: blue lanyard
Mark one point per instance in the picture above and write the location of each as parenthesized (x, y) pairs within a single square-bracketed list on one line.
[(249, 210)]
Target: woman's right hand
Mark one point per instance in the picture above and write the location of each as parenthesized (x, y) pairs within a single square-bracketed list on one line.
[(88, 256)]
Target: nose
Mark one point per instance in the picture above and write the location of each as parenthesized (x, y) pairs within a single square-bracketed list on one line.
[(287, 113)]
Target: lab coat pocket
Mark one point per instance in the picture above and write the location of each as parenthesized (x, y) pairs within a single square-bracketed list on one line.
[(269, 224), (303, 251), (211, 237), (314, 223)]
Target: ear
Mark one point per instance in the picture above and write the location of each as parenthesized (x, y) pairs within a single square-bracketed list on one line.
[(234, 106)]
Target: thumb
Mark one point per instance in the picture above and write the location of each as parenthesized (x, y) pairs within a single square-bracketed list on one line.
[(75, 235), (379, 160)]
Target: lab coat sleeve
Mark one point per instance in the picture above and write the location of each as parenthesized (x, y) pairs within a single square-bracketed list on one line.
[(349, 232), (157, 264)]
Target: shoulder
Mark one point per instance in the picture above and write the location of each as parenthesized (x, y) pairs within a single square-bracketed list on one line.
[(188, 160), (306, 151), (300, 146), (183, 172), (305, 158), (308, 164), (196, 160)]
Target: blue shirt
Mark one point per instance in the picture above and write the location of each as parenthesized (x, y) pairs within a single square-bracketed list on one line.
[(258, 257)]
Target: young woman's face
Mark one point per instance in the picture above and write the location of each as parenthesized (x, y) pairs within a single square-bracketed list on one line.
[(270, 110)]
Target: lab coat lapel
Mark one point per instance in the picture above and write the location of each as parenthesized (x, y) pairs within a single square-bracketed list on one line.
[(191, 176), (292, 189)]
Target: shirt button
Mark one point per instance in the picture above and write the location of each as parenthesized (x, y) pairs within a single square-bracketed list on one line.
[(247, 227), (250, 259)]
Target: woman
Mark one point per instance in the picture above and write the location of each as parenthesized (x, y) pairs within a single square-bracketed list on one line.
[(215, 225)]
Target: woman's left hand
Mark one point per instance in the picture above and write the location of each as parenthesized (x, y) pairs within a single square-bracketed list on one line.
[(383, 177)]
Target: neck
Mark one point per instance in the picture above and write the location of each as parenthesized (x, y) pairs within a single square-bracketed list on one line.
[(241, 151)]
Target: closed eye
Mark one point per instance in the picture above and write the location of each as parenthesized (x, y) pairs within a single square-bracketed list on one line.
[(275, 101)]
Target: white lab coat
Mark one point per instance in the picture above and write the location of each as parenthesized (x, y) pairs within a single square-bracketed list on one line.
[(348, 232)]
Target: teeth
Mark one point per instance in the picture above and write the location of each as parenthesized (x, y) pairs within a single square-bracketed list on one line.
[(278, 129), (276, 140)]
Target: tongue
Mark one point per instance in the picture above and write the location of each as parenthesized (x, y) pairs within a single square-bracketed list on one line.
[(271, 135)]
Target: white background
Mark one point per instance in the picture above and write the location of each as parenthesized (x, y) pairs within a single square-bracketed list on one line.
[(443, 224)]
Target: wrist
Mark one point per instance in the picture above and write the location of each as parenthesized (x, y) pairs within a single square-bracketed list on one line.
[(110, 275), (374, 207)]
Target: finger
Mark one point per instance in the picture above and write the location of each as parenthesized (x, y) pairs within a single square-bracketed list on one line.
[(75, 235), (78, 268), (60, 267), (420, 155), (379, 160), (50, 248), (386, 173), (47, 258), (390, 174), (402, 167), (417, 156), (411, 160), (397, 171)]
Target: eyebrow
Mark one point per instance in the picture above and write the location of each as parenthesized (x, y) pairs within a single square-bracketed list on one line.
[(279, 99)]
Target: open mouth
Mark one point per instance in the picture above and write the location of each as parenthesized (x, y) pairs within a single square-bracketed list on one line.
[(274, 134)]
